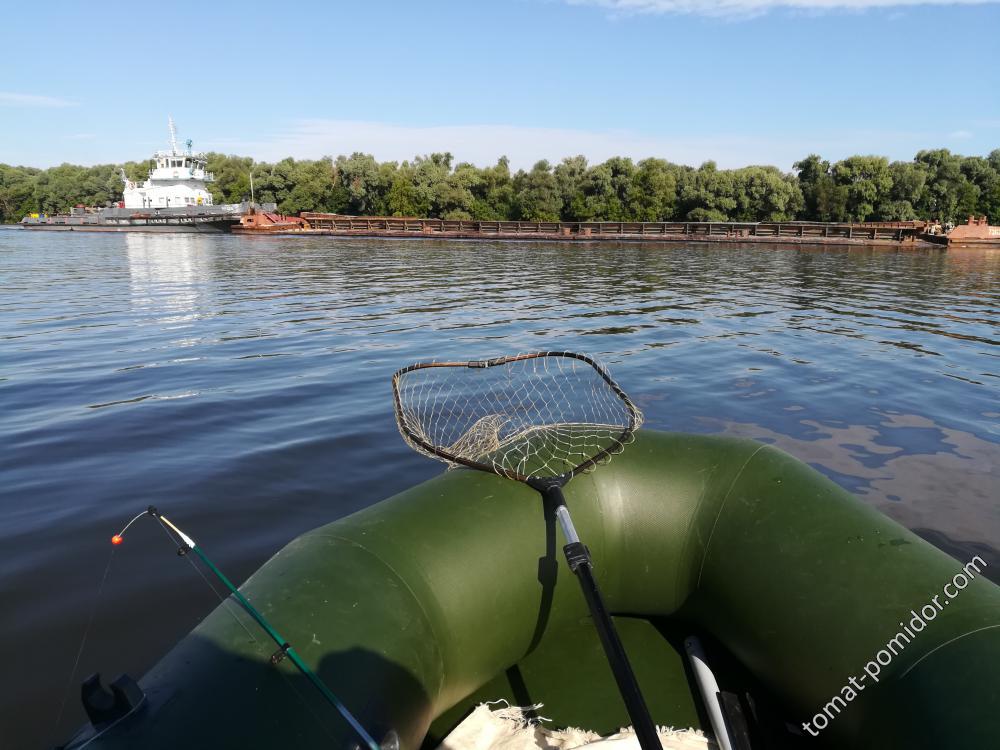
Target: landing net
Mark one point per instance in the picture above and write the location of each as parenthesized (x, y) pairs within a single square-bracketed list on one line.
[(528, 416)]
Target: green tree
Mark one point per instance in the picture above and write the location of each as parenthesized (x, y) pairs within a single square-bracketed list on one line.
[(570, 174), (653, 194), (935, 184), (908, 183), (232, 177), (17, 192), (608, 188), (867, 180), (314, 187), (493, 196), (985, 178), (989, 198), (357, 174), (944, 184), (765, 194), (708, 194), (538, 194), (454, 196), (402, 197), (823, 199)]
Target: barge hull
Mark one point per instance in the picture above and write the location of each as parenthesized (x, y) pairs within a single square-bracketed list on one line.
[(191, 219), (206, 228), (903, 234), (687, 239)]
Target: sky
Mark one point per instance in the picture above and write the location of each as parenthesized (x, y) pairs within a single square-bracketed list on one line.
[(736, 81)]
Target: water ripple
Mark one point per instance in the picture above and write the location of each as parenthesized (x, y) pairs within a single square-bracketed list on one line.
[(243, 385)]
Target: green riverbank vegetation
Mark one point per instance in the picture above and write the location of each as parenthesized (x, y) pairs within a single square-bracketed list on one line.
[(935, 184)]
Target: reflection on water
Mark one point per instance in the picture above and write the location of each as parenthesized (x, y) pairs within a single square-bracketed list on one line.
[(944, 479), (167, 273), (242, 384)]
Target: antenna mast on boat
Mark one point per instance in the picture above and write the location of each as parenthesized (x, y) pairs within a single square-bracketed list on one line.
[(173, 134)]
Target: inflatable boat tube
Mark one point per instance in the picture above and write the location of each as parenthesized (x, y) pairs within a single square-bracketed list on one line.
[(456, 591)]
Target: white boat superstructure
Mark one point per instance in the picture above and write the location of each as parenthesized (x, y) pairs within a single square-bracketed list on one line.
[(177, 179)]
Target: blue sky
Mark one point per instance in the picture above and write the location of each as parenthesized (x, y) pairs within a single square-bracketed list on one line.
[(738, 81)]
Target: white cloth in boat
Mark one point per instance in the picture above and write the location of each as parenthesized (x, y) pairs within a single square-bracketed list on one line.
[(508, 728)]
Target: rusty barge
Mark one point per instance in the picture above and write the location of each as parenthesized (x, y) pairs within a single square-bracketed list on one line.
[(899, 234)]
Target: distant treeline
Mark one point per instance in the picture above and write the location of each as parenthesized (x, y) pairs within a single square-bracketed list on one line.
[(935, 184)]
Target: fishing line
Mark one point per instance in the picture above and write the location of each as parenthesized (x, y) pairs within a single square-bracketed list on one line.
[(118, 538), (285, 649), (113, 724), (227, 604), (86, 633), (309, 707)]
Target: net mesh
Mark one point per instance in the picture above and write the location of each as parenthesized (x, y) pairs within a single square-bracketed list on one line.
[(526, 416)]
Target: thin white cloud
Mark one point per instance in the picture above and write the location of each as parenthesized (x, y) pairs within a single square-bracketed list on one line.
[(484, 144), (11, 99), (960, 135), (750, 8)]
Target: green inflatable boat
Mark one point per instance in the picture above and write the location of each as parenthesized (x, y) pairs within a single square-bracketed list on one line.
[(832, 625)]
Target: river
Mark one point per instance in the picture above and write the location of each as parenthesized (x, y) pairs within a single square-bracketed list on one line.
[(242, 385)]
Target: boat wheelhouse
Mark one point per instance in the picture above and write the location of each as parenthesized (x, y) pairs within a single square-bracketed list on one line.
[(177, 179)]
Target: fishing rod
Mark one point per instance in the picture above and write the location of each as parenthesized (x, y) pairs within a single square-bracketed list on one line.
[(284, 647)]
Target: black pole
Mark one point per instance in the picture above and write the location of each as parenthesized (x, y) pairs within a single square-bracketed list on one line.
[(578, 557)]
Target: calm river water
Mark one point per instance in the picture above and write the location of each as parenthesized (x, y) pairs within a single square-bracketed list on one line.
[(242, 385)]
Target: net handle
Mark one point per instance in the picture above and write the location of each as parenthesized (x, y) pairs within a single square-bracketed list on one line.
[(633, 413)]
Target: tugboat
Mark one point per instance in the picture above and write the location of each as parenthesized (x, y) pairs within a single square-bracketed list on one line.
[(178, 179), (173, 198)]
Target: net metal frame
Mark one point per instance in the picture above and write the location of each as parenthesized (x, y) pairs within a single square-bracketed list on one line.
[(554, 415)]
